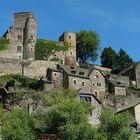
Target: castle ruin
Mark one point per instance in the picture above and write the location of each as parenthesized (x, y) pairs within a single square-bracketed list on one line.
[(22, 36)]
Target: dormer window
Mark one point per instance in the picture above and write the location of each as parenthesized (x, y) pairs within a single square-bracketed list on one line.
[(73, 72), (81, 73)]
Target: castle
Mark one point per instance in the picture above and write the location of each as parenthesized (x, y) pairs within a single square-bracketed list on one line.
[(22, 36)]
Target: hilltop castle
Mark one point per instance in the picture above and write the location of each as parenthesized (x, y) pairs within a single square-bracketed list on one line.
[(22, 36)]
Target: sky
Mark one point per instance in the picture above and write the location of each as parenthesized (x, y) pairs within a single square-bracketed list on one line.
[(117, 22)]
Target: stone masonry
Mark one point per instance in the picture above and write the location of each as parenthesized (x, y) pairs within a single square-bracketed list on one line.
[(22, 36)]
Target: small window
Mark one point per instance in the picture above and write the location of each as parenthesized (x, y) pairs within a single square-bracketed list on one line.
[(83, 83), (71, 53), (19, 37), (19, 49), (70, 43), (69, 36), (99, 84), (55, 73), (74, 82), (19, 57), (93, 84), (81, 73), (96, 93), (73, 72), (32, 37), (31, 49), (97, 76)]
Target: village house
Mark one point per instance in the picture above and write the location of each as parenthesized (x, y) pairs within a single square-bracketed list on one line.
[(133, 72), (133, 108)]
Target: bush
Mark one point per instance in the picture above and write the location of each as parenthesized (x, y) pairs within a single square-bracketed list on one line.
[(4, 44)]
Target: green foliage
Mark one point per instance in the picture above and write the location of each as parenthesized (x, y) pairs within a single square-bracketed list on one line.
[(108, 58), (115, 61), (11, 83), (4, 43), (16, 126), (66, 116), (55, 59), (87, 46), (24, 81), (44, 48), (116, 127), (123, 60)]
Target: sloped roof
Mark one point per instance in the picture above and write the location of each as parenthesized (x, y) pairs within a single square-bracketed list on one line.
[(83, 92), (131, 104), (129, 68), (76, 71), (117, 83)]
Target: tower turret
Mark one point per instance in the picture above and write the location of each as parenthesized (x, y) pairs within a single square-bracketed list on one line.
[(29, 38), (70, 55)]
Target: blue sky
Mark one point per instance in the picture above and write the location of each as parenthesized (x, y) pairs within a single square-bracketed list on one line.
[(116, 21)]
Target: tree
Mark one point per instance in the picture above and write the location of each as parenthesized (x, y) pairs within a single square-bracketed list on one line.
[(66, 116), (16, 126), (123, 60), (87, 46), (45, 48), (116, 126), (108, 58)]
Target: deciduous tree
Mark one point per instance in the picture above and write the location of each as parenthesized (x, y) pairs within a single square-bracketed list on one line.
[(87, 46)]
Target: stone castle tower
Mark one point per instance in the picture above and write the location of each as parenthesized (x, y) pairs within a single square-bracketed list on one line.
[(22, 36), (70, 55)]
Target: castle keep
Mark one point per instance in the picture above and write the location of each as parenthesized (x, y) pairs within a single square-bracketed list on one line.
[(22, 36)]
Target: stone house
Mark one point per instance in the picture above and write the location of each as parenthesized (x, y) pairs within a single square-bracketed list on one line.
[(64, 76), (133, 72), (133, 108), (93, 101), (117, 85)]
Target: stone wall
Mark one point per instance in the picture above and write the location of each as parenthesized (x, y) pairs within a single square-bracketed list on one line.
[(35, 69)]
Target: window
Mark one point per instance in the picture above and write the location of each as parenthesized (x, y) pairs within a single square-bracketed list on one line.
[(74, 82), (86, 99), (19, 57), (70, 43), (55, 73), (71, 53), (31, 37), (99, 84), (73, 72), (69, 36), (97, 76), (83, 83), (93, 84), (19, 37), (96, 93), (19, 49), (81, 73)]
